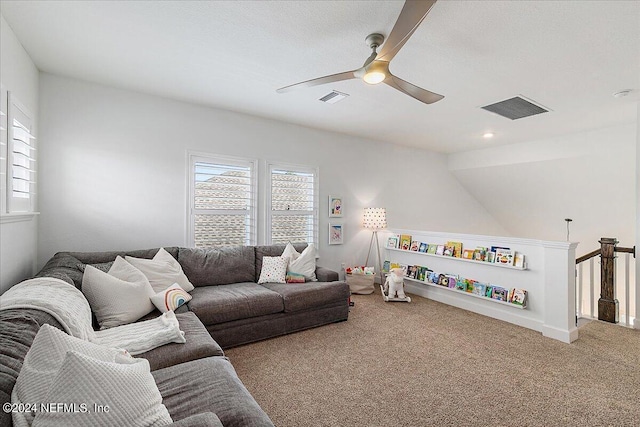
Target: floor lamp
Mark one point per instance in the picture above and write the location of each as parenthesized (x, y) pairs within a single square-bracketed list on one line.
[(375, 219)]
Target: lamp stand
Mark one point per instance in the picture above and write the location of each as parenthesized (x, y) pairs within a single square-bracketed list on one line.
[(374, 236)]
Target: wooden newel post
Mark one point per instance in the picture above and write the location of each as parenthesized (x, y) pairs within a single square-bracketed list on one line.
[(607, 304)]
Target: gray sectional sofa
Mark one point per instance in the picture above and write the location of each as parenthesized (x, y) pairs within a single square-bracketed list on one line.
[(198, 384)]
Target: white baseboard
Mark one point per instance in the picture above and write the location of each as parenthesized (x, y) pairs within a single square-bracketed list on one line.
[(487, 308)]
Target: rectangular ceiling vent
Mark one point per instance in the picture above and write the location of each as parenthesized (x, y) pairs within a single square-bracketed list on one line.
[(333, 97), (515, 108)]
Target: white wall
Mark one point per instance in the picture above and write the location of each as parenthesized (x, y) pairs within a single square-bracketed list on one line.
[(113, 172), (18, 239), (532, 187)]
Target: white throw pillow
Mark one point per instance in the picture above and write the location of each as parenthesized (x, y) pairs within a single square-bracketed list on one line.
[(42, 363), (162, 271), (102, 393), (118, 297), (274, 269), (171, 298), (302, 263)]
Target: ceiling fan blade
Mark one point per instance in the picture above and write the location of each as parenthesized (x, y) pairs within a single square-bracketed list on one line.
[(319, 81), (412, 90), (412, 14)]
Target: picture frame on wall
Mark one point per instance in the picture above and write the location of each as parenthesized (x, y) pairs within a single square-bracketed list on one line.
[(335, 207), (336, 234)]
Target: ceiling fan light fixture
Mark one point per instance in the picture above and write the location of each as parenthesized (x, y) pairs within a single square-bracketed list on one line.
[(374, 77)]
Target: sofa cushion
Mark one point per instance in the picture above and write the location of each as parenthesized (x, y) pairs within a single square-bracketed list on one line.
[(18, 328), (64, 265), (304, 296), (204, 419), (302, 263), (224, 303), (171, 298), (162, 271), (218, 266), (274, 269), (118, 297), (272, 250), (198, 345), (209, 385)]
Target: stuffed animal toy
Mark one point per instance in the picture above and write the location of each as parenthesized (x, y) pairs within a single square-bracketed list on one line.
[(395, 284)]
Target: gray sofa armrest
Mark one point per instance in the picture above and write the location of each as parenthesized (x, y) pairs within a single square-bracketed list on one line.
[(204, 419), (326, 275)]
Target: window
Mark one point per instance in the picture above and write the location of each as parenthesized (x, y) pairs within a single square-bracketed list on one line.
[(222, 195), (20, 151), (292, 211)]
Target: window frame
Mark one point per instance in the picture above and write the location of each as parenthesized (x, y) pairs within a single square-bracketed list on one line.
[(17, 208), (267, 187), (194, 157)]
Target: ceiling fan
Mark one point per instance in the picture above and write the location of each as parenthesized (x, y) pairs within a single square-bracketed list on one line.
[(376, 68)]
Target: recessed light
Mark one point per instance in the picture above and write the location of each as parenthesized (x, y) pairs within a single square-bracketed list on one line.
[(488, 135), (622, 93)]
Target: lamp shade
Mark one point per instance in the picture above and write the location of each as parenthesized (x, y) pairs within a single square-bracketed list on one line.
[(375, 218)]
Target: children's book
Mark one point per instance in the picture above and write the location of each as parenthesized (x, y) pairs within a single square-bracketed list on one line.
[(457, 248), (394, 265), (415, 245), (470, 283), (461, 285), (479, 289), (393, 242), (423, 247), (500, 294), (440, 250), (489, 291), (491, 257), (448, 250), (413, 270), (495, 248), (422, 274), (480, 253), (386, 267), (432, 277), (518, 297), (504, 256), (518, 260), (405, 242), (453, 281), (443, 280), (431, 249), (467, 254)]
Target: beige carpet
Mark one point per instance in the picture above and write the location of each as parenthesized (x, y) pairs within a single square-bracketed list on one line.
[(430, 364)]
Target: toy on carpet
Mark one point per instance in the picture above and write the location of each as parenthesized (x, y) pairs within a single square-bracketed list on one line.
[(393, 289)]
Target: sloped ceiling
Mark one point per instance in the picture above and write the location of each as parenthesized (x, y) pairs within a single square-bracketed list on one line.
[(569, 56)]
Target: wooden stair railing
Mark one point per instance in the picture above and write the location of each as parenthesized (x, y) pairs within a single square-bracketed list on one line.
[(608, 305)]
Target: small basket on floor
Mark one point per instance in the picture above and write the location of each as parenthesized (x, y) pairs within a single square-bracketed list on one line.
[(360, 283)]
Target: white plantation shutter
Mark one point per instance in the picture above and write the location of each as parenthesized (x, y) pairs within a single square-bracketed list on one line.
[(292, 214), (21, 159), (223, 202)]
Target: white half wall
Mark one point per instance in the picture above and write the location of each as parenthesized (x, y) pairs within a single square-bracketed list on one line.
[(113, 172), (637, 244), (18, 239)]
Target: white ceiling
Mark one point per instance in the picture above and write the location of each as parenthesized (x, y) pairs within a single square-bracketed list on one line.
[(569, 56)]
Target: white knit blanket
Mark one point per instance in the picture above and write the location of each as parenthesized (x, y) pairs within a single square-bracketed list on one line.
[(71, 309), (139, 337), (56, 297)]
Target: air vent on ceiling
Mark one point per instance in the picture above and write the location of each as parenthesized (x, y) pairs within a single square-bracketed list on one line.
[(333, 97), (515, 108)]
